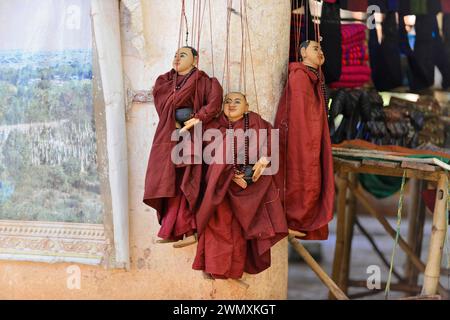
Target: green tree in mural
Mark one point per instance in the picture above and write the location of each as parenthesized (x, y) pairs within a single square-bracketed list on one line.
[(53, 165), (7, 94)]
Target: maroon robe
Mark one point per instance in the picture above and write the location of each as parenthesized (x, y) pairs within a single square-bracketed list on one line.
[(305, 177), (172, 190), (237, 227)]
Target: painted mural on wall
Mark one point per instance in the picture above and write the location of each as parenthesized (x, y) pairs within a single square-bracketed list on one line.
[(48, 162)]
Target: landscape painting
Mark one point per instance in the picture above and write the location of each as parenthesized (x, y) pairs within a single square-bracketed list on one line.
[(48, 145)]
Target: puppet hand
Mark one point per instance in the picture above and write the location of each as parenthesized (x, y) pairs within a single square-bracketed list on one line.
[(189, 124), (259, 168), (297, 234), (239, 180)]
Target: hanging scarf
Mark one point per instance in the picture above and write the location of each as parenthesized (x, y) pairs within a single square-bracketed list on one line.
[(355, 5), (419, 7), (445, 6)]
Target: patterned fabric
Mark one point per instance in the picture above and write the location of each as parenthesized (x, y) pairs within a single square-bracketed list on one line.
[(354, 55), (352, 33), (355, 69)]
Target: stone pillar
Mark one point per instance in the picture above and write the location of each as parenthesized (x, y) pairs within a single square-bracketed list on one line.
[(149, 40), (106, 27)]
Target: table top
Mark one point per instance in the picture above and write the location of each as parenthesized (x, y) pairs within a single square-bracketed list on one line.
[(387, 164)]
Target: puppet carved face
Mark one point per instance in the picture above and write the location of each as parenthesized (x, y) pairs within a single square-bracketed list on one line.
[(234, 106), (312, 55), (184, 61)]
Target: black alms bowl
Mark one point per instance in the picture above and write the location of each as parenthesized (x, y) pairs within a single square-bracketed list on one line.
[(248, 174), (183, 114)]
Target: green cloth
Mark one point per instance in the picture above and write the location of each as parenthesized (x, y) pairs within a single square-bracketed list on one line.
[(419, 7), (384, 186), (380, 186)]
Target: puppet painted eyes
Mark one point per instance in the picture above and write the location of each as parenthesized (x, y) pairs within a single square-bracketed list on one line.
[(235, 106), (183, 61), (312, 55)]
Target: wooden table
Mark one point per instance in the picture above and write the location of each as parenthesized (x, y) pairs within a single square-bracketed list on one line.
[(348, 193)]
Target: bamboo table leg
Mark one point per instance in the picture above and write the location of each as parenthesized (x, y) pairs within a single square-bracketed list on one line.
[(433, 267), (416, 217), (342, 184), (348, 234)]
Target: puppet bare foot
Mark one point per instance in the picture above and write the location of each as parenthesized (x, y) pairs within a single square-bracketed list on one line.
[(161, 241), (207, 276), (187, 241), (241, 283), (298, 234)]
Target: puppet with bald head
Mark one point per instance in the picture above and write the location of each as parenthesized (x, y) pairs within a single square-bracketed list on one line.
[(184, 97), (240, 216)]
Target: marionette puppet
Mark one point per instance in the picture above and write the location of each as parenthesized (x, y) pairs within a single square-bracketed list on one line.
[(183, 97), (240, 216), (305, 177)]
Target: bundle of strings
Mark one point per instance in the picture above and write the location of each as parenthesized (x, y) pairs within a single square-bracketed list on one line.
[(245, 52), (193, 37), (397, 236), (302, 28), (297, 24), (197, 18)]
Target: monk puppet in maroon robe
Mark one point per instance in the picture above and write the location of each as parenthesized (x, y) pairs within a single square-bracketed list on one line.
[(306, 177), (184, 97), (240, 217)]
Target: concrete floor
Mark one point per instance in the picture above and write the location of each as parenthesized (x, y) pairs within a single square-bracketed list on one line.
[(304, 284)]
